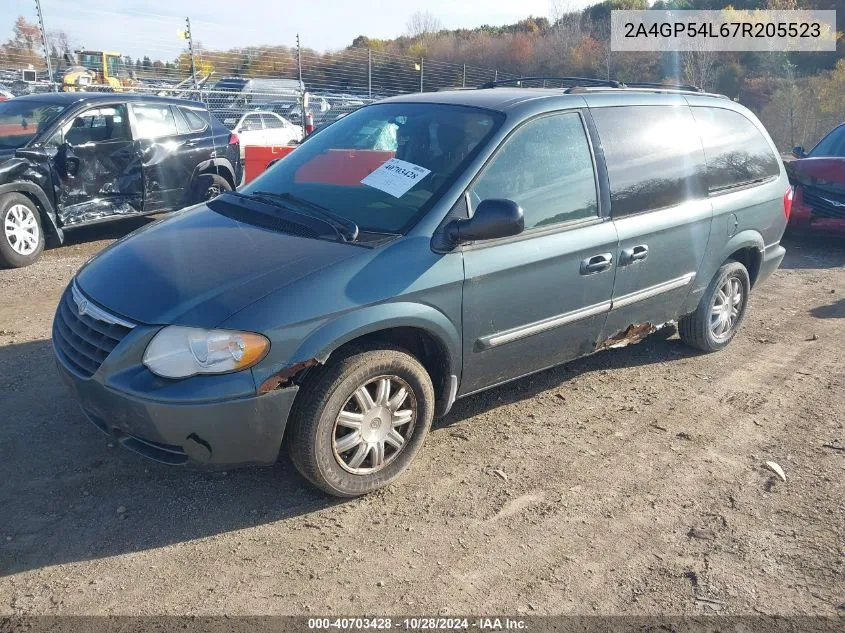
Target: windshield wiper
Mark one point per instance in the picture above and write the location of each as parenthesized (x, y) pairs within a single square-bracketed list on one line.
[(272, 201), (347, 226)]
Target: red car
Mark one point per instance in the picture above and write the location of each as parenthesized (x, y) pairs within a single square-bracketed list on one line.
[(818, 186)]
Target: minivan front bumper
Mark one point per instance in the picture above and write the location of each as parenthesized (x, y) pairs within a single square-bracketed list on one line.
[(218, 434)]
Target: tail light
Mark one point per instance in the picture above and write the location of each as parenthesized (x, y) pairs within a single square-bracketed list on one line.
[(787, 201), (233, 139), (797, 210)]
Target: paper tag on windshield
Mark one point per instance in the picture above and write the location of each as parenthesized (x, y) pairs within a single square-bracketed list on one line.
[(396, 177)]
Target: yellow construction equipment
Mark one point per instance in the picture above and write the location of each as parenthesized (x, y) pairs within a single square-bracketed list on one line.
[(97, 70)]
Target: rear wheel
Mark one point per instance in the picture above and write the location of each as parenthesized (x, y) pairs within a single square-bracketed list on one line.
[(22, 239), (208, 187), (720, 312), (360, 422)]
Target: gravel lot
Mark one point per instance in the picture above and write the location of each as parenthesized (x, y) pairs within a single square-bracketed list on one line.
[(632, 482)]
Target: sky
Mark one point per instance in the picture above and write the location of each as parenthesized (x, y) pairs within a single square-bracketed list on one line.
[(138, 28)]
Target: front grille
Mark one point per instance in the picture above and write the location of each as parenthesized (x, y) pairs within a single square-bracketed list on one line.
[(825, 204), (84, 334)]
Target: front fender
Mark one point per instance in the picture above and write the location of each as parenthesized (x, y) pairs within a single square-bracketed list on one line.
[(319, 345)]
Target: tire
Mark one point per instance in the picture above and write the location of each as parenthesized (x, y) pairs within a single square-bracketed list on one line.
[(209, 186), (705, 330), (323, 446), (21, 235)]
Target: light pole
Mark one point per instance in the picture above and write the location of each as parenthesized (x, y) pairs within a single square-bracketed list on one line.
[(44, 42)]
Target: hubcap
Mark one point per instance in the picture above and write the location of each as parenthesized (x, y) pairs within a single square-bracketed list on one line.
[(21, 229), (212, 192), (374, 425), (727, 306)]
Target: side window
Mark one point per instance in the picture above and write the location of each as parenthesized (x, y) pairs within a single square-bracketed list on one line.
[(154, 120), (195, 120), (97, 125), (547, 168), (181, 123), (252, 122), (654, 157), (272, 121), (736, 152)]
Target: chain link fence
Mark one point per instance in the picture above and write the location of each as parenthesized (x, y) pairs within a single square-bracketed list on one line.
[(171, 59)]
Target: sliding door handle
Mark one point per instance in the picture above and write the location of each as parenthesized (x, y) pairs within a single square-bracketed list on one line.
[(633, 254)]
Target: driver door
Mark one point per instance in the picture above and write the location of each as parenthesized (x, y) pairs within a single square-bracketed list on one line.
[(98, 166), (540, 298)]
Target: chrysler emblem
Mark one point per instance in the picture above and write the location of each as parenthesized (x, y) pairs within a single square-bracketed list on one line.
[(82, 306), (833, 203)]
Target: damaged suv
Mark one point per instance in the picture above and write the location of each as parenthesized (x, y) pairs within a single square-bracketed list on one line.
[(418, 250), (73, 159)]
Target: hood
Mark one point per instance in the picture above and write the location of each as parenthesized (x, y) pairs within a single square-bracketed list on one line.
[(199, 267), (825, 173)]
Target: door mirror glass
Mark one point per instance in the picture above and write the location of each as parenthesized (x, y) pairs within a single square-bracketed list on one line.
[(798, 152), (492, 219)]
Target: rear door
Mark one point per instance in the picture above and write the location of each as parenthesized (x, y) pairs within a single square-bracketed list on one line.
[(659, 205), (98, 166), (165, 157), (542, 297)]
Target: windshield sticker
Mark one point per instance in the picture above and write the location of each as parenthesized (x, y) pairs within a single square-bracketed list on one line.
[(396, 177)]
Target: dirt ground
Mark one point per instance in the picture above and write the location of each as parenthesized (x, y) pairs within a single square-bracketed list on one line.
[(633, 483)]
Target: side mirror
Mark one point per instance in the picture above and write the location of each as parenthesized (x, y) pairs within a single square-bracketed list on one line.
[(798, 152), (492, 219)]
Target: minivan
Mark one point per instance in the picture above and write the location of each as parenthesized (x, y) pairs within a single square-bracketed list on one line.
[(418, 250)]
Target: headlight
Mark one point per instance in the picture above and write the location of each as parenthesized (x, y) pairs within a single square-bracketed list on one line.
[(179, 352)]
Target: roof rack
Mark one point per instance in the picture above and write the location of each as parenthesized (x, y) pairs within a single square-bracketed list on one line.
[(590, 81), (685, 87)]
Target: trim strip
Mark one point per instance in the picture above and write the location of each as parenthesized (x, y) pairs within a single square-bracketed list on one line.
[(85, 306), (523, 331), (652, 291)]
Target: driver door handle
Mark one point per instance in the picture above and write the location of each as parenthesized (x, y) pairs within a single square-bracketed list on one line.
[(596, 263)]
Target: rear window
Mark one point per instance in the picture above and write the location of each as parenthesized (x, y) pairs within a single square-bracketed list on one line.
[(736, 152), (653, 154)]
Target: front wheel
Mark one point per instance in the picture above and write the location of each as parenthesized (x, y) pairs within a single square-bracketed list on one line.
[(361, 421), (22, 239), (720, 312)]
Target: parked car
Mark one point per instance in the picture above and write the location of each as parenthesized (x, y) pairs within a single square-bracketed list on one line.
[(818, 179), (73, 159), (266, 129), (354, 290)]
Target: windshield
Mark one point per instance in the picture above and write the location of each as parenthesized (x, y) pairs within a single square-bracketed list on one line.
[(22, 119), (383, 166), (831, 145)]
